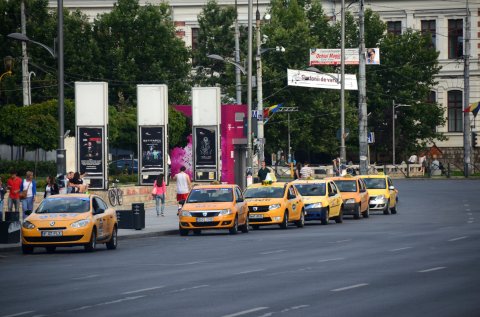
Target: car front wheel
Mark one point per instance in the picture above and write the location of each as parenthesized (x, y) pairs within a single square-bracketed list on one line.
[(90, 246), (112, 243)]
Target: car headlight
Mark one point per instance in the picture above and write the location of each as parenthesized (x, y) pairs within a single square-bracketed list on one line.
[(316, 205), (275, 206), (350, 201), (186, 213), (80, 223), (225, 212), (380, 198), (28, 225)]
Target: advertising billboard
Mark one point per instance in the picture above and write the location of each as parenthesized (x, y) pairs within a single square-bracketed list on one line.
[(91, 155), (205, 146), (152, 148)]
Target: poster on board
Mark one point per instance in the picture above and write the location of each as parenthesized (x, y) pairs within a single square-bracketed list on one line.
[(205, 146), (91, 155), (152, 148)]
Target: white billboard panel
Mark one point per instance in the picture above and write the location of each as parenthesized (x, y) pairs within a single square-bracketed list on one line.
[(152, 105), (91, 103), (315, 80), (332, 56), (205, 106)]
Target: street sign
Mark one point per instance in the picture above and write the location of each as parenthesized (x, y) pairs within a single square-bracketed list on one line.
[(254, 113), (371, 137)]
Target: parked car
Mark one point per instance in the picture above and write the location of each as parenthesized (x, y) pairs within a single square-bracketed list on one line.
[(383, 195), (70, 220), (354, 194), (124, 166)]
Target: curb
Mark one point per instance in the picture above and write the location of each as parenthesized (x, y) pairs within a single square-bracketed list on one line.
[(127, 237)]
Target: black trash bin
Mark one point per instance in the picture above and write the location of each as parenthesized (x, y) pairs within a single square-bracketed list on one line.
[(10, 231), (125, 219), (12, 216), (138, 210)]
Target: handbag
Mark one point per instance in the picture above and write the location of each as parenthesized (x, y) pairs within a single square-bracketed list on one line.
[(154, 191), (23, 194)]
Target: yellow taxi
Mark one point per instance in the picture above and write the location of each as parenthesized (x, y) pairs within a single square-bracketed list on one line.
[(274, 203), (322, 200), (213, 207), (354, 195), (383, 195), (70, 220)]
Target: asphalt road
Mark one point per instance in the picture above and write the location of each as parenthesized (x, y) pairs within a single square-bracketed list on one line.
[(424, 261)]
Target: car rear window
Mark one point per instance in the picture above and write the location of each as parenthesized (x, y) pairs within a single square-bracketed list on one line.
[(375, 183), (311, 189), (63, 205), (347, 186), (265, 192), (210, 195)]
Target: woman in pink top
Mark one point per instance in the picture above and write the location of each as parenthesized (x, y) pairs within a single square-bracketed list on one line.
[(159, 190)]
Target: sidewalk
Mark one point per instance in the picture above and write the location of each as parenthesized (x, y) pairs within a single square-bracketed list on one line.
[(154, 226)]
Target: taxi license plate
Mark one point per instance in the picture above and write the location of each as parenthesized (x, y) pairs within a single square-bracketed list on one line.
[(52, 233), (255, 216), (205, 219)]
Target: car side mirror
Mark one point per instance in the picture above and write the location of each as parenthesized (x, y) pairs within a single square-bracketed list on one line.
[(363, 190), (182, 202), (28, 212), (240, 200), (391, 187)]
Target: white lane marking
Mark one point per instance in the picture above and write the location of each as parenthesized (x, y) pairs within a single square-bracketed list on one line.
[(349, 287), (3, 256), (332, 259), (251, 271), (340, 241), (143, 290), (244, 312), (400, 249), (468, 209), (188, 288), (39, 316), (85, 277), (466, 205), (470, 221), (190, 263), (459, 238), (432, 269), (294, 308), (121, 300), (272, 252), (20, 314), (469, 214), (80, 308)]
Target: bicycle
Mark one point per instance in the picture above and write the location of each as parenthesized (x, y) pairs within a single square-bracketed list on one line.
[(115, 194)]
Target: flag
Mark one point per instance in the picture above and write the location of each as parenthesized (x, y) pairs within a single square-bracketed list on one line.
[(267, 112), (473, 108)]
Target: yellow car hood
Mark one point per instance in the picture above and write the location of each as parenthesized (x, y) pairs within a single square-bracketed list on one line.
[(207, 206), (263, 201), (57, 217), (377, 192)]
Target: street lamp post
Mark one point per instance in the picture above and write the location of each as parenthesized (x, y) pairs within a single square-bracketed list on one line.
[(61, 159), (395, 106)]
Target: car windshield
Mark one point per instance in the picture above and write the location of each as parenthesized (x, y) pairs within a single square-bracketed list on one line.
[(311, 189), (375, 183), (265, 192), (210, 195), (63, 205), (347, 186)]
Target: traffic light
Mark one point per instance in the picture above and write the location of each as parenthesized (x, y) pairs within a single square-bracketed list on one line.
[(474, 139)]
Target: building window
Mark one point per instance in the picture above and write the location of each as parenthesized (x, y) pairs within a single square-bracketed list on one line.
[(455, 115), (394, 27), (429, 27), (455, 38), (432, 97), (195, 38)]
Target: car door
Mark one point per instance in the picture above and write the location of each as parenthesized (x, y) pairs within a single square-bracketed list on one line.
[(240, 206), (99, 218), (109, 216), (363, 195), (293, 203), (335, 199)]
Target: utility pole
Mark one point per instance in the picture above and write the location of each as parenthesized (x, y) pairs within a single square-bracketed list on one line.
[(61, 151), (467, 145), (238, 79), (362, 97), (25, 76), (342, 90), (260, 136), (249, 88)]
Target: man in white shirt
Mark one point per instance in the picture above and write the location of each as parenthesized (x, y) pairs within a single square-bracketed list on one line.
[(183, 185), (306, 171)]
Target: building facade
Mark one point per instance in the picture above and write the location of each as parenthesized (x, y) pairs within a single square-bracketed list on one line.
[(445, 20)]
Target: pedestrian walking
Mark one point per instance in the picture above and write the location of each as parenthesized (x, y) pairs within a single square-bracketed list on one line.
[(3, 191), (183, 185), (158, 192), (51, 188), (298, 168), (13, 185), (28, 187)]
